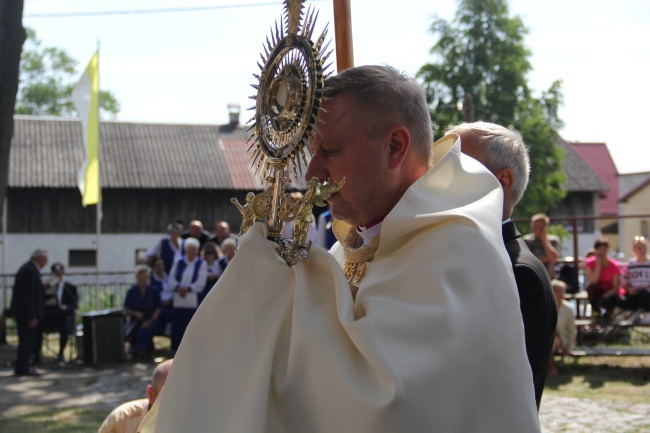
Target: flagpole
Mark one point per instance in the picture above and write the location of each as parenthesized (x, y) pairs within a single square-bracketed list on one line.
[(343, 35), (3, 325), (98, 234)]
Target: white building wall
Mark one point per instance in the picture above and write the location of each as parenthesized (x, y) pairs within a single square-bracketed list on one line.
[(117, 252)]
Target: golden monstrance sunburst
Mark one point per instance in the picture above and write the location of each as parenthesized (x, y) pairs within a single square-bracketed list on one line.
[(288, 101)]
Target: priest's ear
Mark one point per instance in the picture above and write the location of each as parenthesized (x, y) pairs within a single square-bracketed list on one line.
[(506, 178), (400, 141)]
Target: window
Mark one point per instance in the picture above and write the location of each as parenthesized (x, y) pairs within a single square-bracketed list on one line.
[(140, 256), (82, 258)]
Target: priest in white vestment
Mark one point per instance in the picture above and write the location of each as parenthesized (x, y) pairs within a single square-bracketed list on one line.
[(422, 333)]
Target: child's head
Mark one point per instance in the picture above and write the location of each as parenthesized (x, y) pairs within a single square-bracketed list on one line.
[(559, 289)]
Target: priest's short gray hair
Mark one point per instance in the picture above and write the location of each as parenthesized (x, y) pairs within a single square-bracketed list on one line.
[(387, 96), (500, 148)]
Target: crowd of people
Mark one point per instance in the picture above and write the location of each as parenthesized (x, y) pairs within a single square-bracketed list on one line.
[(183, 267), (618, 290)]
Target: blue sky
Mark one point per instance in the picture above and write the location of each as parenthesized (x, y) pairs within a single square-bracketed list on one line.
[(185, 67)]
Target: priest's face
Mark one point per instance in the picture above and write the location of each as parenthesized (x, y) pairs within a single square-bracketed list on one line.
[(343, 148)]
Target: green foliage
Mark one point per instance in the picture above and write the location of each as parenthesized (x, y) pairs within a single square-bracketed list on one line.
[(478, 72), (47, 77)]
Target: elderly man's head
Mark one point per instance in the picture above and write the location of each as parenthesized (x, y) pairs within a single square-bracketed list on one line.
[(222, 230), (376, 133), (40, 257), (158, 380), (500, 150), (196, 228)]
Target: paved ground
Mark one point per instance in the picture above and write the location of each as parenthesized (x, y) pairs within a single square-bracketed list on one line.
[(103, 389), (567, 414)]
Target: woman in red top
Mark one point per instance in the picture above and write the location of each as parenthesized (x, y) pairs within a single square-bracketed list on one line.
[(603, 278)]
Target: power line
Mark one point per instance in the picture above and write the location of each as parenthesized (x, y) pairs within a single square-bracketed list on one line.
[(152, 11)]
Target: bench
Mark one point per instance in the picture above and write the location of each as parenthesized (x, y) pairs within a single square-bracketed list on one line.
[(605, 331), (607, 351)]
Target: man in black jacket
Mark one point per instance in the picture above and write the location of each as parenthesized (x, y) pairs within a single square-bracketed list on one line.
[(502, 151), (60, 305), (27, 306)]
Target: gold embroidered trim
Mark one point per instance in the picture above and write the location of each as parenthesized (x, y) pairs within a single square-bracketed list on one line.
[(357, 257)]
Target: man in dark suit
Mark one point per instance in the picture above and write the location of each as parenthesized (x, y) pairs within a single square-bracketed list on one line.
[(60, 305), (222, 232), (27, 306), (197, 232), (504, 153)]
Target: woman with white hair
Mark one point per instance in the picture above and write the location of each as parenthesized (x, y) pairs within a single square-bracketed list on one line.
[(637, 275), (186, 281)]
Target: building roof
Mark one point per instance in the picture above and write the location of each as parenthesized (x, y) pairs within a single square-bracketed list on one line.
[(47, 152), (629, 181), (598, 157), (581, 177), (640, 187)]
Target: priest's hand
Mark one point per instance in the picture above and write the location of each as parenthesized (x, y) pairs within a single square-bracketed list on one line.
[(182, 291)]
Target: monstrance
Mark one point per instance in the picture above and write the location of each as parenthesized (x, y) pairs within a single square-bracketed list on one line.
[(289, 95)]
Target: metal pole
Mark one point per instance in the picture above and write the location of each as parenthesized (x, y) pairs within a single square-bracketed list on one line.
[(343, 35), (97, 256), (99, 203)]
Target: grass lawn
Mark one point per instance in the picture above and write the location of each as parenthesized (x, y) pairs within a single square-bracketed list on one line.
[(616, 378), (42, 419), (612, 378), (620, 379)]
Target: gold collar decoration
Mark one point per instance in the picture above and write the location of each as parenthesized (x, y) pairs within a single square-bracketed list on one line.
[(356, 257)]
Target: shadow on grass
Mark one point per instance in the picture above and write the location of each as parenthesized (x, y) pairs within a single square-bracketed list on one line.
[(50, 420), (603, 377)]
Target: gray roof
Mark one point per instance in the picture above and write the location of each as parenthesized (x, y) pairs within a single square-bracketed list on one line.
[(580, 176), (47, 152)]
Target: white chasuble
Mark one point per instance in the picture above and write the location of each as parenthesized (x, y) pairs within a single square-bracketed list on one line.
[(433, 343)]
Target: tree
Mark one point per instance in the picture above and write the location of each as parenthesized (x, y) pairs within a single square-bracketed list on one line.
[(12, 37), (47, 77), (479, 72)]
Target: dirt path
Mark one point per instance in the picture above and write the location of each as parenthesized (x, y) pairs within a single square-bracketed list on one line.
[(103, 389)]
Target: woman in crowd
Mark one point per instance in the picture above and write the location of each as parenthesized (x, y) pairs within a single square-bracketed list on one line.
[(170, 248), (603, 276), (142, 306), (159, 281), (186, 281), (637, 275), (211, 254)]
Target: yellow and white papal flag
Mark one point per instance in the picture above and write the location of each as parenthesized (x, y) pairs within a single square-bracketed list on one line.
[(85, 97)]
